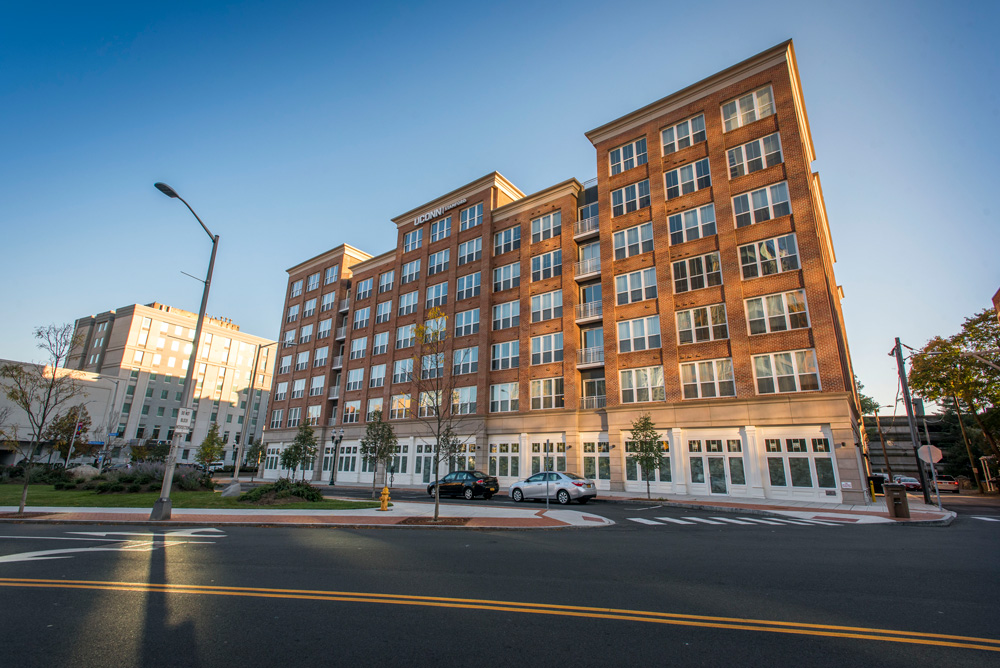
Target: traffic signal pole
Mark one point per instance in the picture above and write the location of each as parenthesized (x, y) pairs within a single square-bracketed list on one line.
[(914, 436)]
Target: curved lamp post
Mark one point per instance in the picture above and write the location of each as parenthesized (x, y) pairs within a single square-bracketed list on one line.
[(336, 439), (162, 507)]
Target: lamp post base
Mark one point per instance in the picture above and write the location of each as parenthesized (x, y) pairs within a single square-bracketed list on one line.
[(161, 510)]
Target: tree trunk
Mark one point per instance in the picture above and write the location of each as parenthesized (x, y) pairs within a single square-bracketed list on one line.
[(437, 487), (374, 477), (986, 434), (648, 497), (24, 490)]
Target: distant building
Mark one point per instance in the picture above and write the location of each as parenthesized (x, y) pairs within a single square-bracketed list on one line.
[(145, 350), (899, 444)]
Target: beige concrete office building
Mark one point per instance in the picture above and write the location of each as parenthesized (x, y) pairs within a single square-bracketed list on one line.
[(145, 350), (692, 280)]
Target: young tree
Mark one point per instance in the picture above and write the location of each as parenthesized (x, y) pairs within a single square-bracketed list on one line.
[(301, 451), (211, 448), (253, 455), (869, 406), (40, 391), (436, 400), (68, 433), (648, 452), (378, 445)]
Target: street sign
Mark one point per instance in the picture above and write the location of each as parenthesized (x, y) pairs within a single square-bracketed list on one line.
[(929, 453), (95, 442), (184, 418)]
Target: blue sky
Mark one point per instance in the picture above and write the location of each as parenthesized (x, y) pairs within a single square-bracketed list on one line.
[(326, 120)]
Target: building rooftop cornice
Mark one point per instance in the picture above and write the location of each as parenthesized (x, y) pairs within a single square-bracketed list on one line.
[(570, 187), (491, 180)]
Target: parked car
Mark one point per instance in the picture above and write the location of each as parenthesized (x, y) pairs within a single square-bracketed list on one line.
[(911, 484), (216, 466), (563, 487), (946, 483), (468, 484)]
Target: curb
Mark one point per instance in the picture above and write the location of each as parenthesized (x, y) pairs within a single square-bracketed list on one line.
[(278, 525)]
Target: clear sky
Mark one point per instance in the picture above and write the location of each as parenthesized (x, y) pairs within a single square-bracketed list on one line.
[(323, 120)]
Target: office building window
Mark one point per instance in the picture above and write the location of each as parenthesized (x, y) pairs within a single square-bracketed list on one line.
[(402, 370), (385, 281), (684, 134), (630, 198), (277, 415), (546, 227), (771, 256), (506, 277), (468, 286), (507, 240), (547, 349), (432, 366), (707, 379), (406, 336), (628, 156), (705, 323), (294, 417), (293, 313), (410, 272), (546, 306), (323, 330), (777, 313), (305, 336), (301, 361), (408, 303), (467, 322), (642, 385), (361, 317), (506, 355), (546, 393), (328, 302), (363, 290), (382, 312), (286, 364), (747, 108), (692, 224), (319, 359), (440, 229), (635, 287), (412, 240), (358, 347), (688, 178), (352, 411), (471, 217), (465, 360), (438, 262), (296, 288), (429, 404), (503, 397), (313, 281), (639, 334), (755, 156), (399, 407), (506, 315), (437, 295), (355, 379), (380, 344), (633, 241), (470, 251), (761, 205), (546, 265), (298, 388), (377, 376), (793, 371), (281, 391), (463, 400), (332, 274), (316, 385), (697, 272)]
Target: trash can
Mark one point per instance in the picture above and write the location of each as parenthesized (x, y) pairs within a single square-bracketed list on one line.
[(896, 502)]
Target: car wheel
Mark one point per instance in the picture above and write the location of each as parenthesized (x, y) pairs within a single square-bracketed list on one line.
[(487, 496), (469, 493), (957, 492), (430, 491), (517, 495), (562, 497)]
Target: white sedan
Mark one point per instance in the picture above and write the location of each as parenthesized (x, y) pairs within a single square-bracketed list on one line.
[(563, 487)]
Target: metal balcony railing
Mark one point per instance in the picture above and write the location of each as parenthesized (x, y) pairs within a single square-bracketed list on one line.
[(334, 393), (345, 304), (589, 266), (338, 362), (341, 333), (586, 226), (591, 403), (589, 310), (587, 356)]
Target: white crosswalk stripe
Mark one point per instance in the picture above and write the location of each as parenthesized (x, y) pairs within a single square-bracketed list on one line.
[(702, 520), (760, 521), (730, 520), (986, 519), (799, 522), (643, 520), (673, 520)]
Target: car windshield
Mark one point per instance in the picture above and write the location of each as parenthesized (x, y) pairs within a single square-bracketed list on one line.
[(479, 474), (573, 476)]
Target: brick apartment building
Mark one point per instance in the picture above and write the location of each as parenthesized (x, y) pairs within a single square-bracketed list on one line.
[(692, 280)]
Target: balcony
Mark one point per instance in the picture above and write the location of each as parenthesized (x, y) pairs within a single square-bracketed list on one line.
[(593, 403), (345, 305), (587, 269), (589, 357), (338, 362), (588, 227), (589, 311), (341, 333), (334, 393)]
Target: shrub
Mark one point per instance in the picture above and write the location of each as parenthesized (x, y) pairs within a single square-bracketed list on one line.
[(90, 484), (282, 489), (60, 485), (109, 487), (144, 478), (126, 477), (134, 487)]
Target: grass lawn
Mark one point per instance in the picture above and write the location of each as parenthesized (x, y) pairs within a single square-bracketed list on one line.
[(47, 495)]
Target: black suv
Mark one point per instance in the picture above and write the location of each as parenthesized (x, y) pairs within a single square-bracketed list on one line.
[(469, 484)]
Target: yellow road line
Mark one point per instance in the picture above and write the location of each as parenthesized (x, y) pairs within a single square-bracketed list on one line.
[(675, 619)]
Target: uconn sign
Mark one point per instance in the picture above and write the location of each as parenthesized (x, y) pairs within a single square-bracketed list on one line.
[(434, 213)]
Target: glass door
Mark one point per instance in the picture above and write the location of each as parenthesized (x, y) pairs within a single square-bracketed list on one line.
[(597, 463), (548, 457), (505, 460)]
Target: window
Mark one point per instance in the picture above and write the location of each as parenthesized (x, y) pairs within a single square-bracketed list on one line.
[(352, 411), (355, 379), (697, 272), (771, 256), (410, 272), (705, 323), (402, 371), (298, 388), (546, 265), (630, 198), (316, 385), (440, 229), (688, 178), (293, 313), (313, 282), (710, 378), (793, 371), (323, 330), (438, 262), (382, 312), (332, 274), (358, 347), (412, 240), (547, 349), (305, 336), (692, 224), (642, 385), (546, 227), (289, 341), (466, 360), (639, 334), (467, 322), (633, 241), (399, 406), (628, 156), (506, 315), (755, 156), (429, 404), (765, 204), (377, 376), (296, 288), (373, 405), (432, 366), (470, 251), (281, 393), (364, 289), (286, 364), (468, 286), (635, 287), (546, 306), (503, 397), (437, 295), (406, 336), (506, 277), (319, 359), (777, 313), (301, 361), (380, 343), (747, 109), (408, 303), (546, 393), (328, 302), (507, 240), (276, 417), (506, 355), (684, 134), (362, 317), (471, 217), (463, 401), (385, 281)]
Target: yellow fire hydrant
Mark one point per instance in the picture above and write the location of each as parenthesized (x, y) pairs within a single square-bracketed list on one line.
[(384, 498)]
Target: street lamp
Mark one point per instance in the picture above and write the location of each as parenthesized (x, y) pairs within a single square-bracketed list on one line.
[(246, 413), (336, 439), (162, 507)]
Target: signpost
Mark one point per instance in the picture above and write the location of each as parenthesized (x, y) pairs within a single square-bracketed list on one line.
[(932, 455)]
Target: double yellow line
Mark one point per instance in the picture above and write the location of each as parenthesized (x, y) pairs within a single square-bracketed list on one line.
[(675, 619)]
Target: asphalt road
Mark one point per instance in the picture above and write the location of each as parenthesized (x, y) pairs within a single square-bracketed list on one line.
[(631, 595)]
